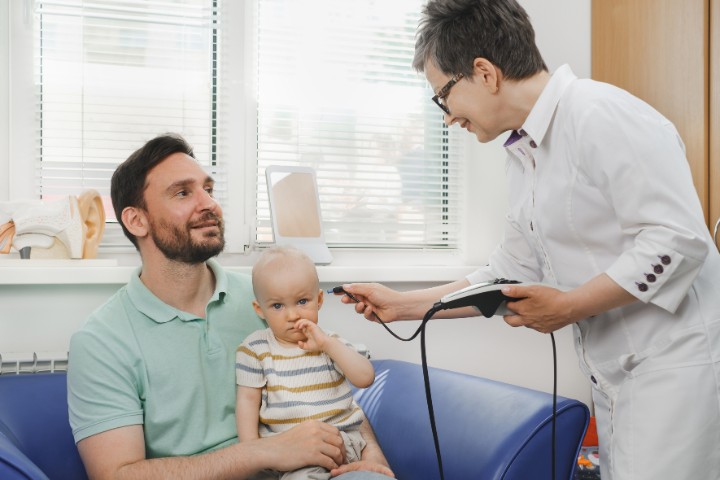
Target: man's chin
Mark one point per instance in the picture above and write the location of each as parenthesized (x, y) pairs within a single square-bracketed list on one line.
[(205, 251)]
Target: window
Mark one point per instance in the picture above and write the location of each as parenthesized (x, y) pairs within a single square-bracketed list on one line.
[(336, 92), (319, 83)]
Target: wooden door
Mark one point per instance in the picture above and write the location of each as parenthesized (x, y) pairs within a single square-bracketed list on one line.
[(714, 160), (659, 50)]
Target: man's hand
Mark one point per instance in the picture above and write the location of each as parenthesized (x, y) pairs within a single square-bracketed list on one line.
[(365, 465), (310, 443)]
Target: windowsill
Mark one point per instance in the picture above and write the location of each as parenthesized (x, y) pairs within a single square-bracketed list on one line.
[(94, 272)]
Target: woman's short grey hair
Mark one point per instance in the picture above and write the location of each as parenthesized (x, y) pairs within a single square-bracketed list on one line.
[(453, 33)]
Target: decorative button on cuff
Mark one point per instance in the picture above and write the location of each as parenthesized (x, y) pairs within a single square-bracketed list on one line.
[(642, 287), (658, 269), (664, 259), (650, 277)]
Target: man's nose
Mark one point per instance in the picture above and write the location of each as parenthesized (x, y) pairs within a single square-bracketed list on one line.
[(207, 201)]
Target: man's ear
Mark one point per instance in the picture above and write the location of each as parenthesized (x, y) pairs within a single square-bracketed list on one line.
[(92, 213), (258, 310), (135, 221), (487, 74)]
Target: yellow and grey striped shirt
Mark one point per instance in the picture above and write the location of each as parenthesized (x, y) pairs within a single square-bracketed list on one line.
[(296, 385)]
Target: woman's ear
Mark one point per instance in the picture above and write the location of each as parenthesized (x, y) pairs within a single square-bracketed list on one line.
[(92, 213), (487, 73)]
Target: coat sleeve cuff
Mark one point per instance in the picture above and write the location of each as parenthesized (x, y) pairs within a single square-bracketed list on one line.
[(656, 275)]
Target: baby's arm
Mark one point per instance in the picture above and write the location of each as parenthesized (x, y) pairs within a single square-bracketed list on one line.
[(247, 413), (357, 368)]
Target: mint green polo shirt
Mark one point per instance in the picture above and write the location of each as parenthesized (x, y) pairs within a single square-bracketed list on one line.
[(139, 361)]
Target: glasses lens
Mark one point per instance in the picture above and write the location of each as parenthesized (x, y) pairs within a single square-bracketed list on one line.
[(440, 103)]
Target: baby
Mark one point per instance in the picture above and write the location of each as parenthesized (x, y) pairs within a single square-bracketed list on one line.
[(294, 371)]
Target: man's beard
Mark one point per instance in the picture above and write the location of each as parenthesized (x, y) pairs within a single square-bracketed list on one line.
[(177, 243)]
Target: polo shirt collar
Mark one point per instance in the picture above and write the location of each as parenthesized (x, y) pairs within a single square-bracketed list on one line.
[(538, 121), (160, 312)]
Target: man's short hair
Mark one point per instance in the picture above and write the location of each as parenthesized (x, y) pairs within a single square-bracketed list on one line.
[(127, 186)]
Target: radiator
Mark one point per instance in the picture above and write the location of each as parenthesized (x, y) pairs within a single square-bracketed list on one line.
[(32, 362)]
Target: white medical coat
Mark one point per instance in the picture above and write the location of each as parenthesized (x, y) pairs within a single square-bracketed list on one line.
[(598, 183)]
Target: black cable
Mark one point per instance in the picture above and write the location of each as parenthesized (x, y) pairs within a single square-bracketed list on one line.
[(554, 410), (428, 396)]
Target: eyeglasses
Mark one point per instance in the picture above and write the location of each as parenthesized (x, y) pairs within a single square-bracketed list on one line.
[(439, 99)]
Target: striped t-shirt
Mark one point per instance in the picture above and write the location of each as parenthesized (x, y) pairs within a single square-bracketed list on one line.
[(296, 385)]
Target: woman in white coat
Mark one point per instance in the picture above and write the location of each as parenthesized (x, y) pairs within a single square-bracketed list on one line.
[(601, 205)]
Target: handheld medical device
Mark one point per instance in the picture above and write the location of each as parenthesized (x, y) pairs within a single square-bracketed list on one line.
[(486, 297)]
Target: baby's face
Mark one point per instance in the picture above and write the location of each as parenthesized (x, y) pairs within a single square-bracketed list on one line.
[(288, 296)]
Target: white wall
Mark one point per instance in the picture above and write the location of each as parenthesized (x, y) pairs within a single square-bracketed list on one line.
[(42, 317)]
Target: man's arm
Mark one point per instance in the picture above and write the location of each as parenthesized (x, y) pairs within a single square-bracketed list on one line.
[(119, 454)]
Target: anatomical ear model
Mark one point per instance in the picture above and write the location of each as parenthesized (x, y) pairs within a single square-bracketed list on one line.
[(71, 227)]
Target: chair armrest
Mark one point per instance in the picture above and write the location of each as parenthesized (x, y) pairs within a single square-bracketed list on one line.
[(14, 465)]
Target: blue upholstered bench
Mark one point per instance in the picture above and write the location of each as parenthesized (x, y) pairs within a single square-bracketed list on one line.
[(487, 430)]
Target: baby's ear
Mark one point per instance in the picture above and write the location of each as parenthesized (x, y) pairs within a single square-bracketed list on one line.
[(321, 297), (258, 310)]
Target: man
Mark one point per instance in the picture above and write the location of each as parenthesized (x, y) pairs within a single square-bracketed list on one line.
[(151, 381), (601, 204)]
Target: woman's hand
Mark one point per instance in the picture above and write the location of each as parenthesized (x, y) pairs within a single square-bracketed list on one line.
[(374, 301)]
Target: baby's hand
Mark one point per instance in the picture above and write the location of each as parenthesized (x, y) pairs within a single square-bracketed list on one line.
[(316, 338)]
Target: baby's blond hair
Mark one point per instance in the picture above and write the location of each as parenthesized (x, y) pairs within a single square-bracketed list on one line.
[(281, 255)]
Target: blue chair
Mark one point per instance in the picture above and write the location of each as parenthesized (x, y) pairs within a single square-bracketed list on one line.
[(35, 437), (488, 430)]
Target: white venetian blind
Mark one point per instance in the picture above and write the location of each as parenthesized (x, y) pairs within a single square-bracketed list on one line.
[(337, 92), (112, 74)]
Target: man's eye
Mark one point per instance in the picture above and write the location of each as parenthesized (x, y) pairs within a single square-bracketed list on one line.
[(182, 193), (210, 191)]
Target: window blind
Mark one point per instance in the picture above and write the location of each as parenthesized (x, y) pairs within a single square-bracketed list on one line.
[(112, 74), (336, 92)]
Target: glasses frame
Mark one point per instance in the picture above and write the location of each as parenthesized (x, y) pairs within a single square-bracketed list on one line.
[(444, 91)]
